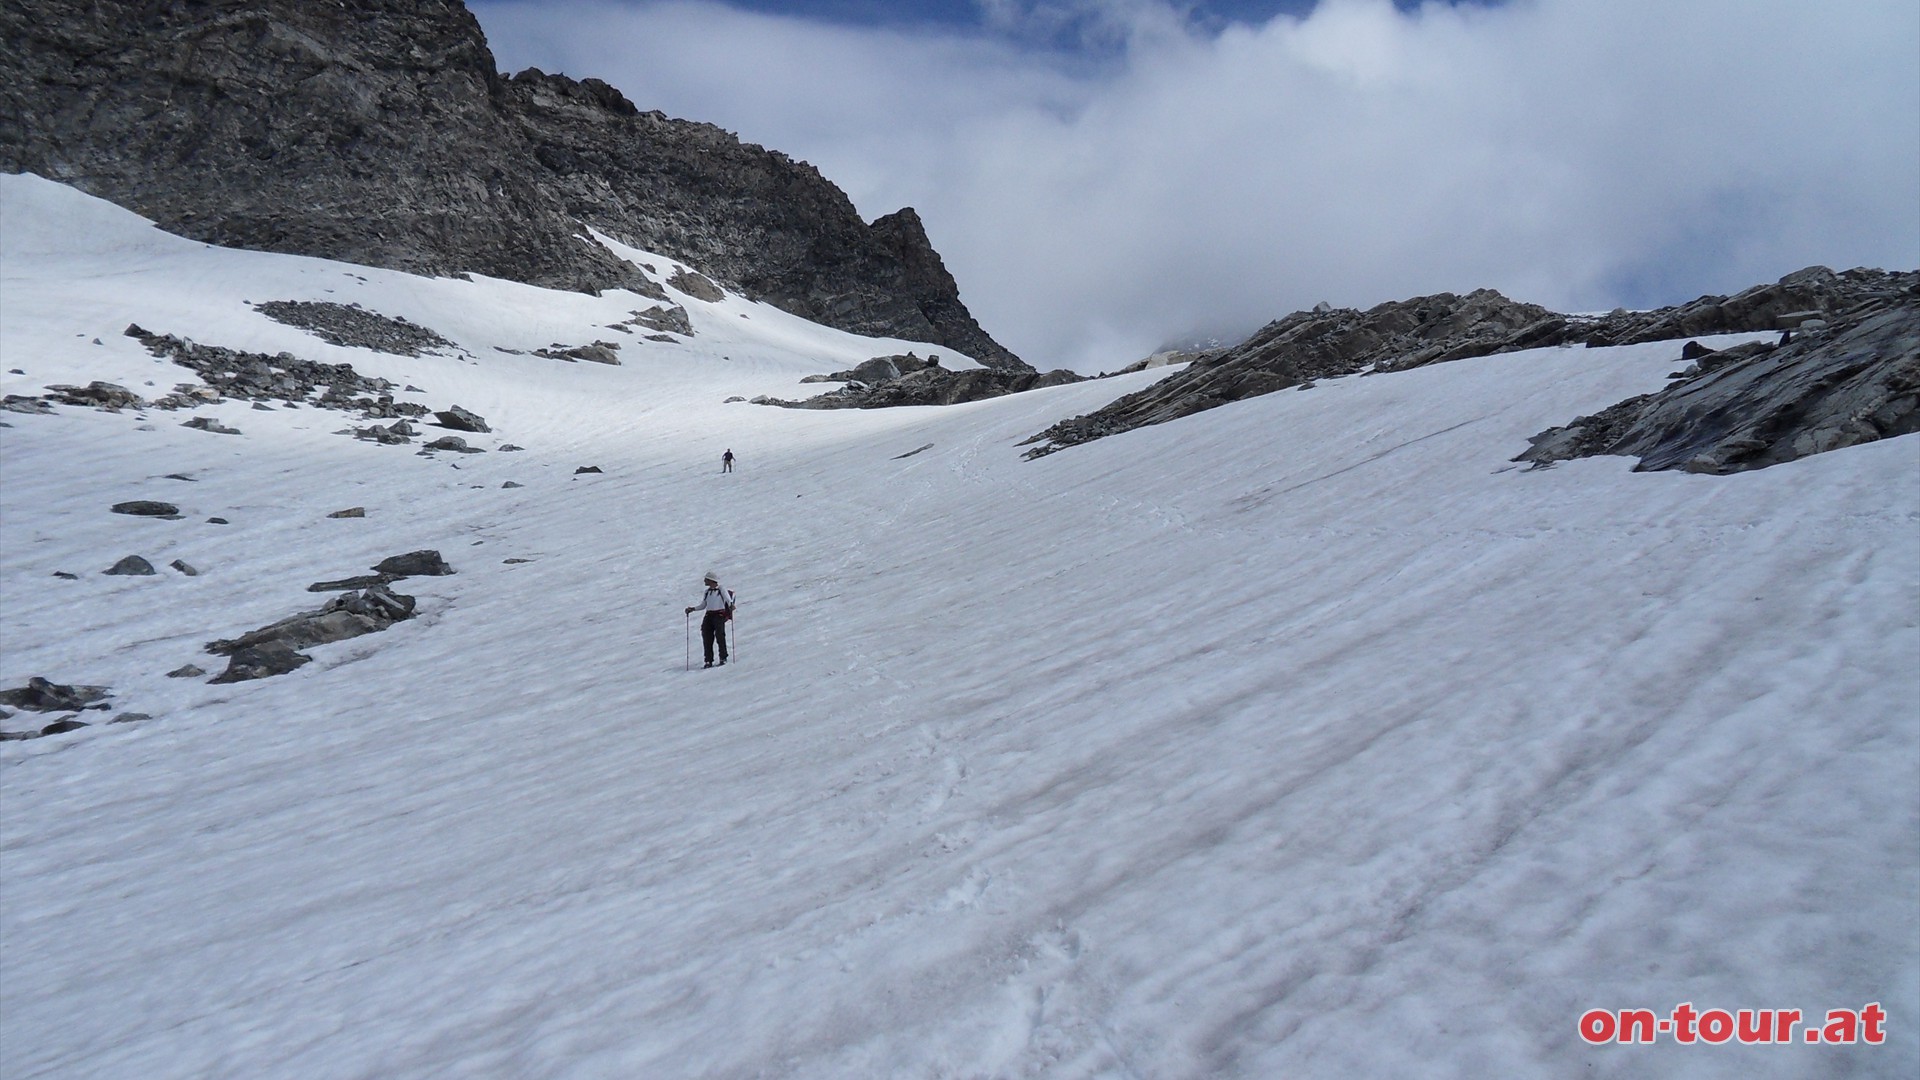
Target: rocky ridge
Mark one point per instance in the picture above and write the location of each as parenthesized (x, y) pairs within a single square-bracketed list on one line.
[(1851, 379), (888, 381), (381, 133), (1333, 342)]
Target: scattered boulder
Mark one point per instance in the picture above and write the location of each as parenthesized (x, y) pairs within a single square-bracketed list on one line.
[(147, 508), (131, 718), (64, 575), (661, 320), (586, 469), (423, 563), (42, 695), (99, 395), (261, 661), (188, 671), (62, 725), (181, 565), (510, 448), (697, 285), (274, 649), (350, 512), (460, 419), (23, 404), (454, 443), (512, 484), (218, 521), (392, 435), (131, 566), (360, 582), (207, 423)]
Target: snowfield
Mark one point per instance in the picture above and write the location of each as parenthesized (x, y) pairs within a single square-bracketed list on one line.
[(1306, 737)]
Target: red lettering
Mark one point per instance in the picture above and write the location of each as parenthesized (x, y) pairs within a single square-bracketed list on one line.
[(1597, 1026), (1683, 1015), (1756, 1025), (1783, 1024), (1716, 1026), (1873, 1016), (1843, 1026), (1636, 1025)]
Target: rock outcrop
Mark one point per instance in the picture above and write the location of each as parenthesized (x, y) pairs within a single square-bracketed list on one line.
[(1330, 342), (381, 133), (1853, 379), (886, 381), (1321, 344)]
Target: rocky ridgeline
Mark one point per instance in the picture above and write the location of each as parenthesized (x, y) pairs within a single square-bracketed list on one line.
[(1331, 342), (381, 133), (1323, 343), (1843, 379), (887, 381)]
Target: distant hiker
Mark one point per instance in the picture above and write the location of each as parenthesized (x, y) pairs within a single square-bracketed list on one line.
[(726, 461), (718, 605)]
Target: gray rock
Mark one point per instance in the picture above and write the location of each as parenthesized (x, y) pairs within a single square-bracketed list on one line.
[(43, 695), (147, 508), (423, 563), (207, 423), (460, 419), (181, 566), (456, 444), (131, 566), (131, 718), (63, 725), (359, 582), (261, 661), (353, 326), (350, 512), (274, 649), (697, 286), (586, 469), (66, 576), (512, 484), (188, 671), (1760, 405), (100, 395), (390, 139)]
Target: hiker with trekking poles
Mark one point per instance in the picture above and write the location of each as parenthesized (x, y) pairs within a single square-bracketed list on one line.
[(718, 605)]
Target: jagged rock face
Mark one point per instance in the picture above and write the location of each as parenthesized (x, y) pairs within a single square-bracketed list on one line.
[(1854, 380), (1321, 344), (380, 133)]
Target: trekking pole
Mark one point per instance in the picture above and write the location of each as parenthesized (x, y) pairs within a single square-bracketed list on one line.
[(689, 622)]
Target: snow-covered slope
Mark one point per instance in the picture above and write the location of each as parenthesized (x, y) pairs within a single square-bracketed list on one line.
[(1306, 737)]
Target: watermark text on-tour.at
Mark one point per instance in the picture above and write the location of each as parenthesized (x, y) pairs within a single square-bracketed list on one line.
[(1747, 1027)]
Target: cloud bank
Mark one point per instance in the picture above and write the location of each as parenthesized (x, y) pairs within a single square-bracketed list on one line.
[(1582, 154)]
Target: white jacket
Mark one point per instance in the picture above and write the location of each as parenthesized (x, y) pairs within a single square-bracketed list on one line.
[(717, 599)]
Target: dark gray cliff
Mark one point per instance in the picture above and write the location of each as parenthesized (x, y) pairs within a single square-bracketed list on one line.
[(379, 132)]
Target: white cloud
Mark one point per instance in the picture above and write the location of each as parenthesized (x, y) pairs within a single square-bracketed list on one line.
[(1578, 153)]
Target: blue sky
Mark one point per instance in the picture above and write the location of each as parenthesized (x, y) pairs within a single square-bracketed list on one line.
[(1104, 176)]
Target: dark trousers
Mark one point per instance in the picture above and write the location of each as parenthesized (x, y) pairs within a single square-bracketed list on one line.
[(714, 628)]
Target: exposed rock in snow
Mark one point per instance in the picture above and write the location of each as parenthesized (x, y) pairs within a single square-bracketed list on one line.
[(1855, 381), (384, 135), (354, 326), (43, 695)]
